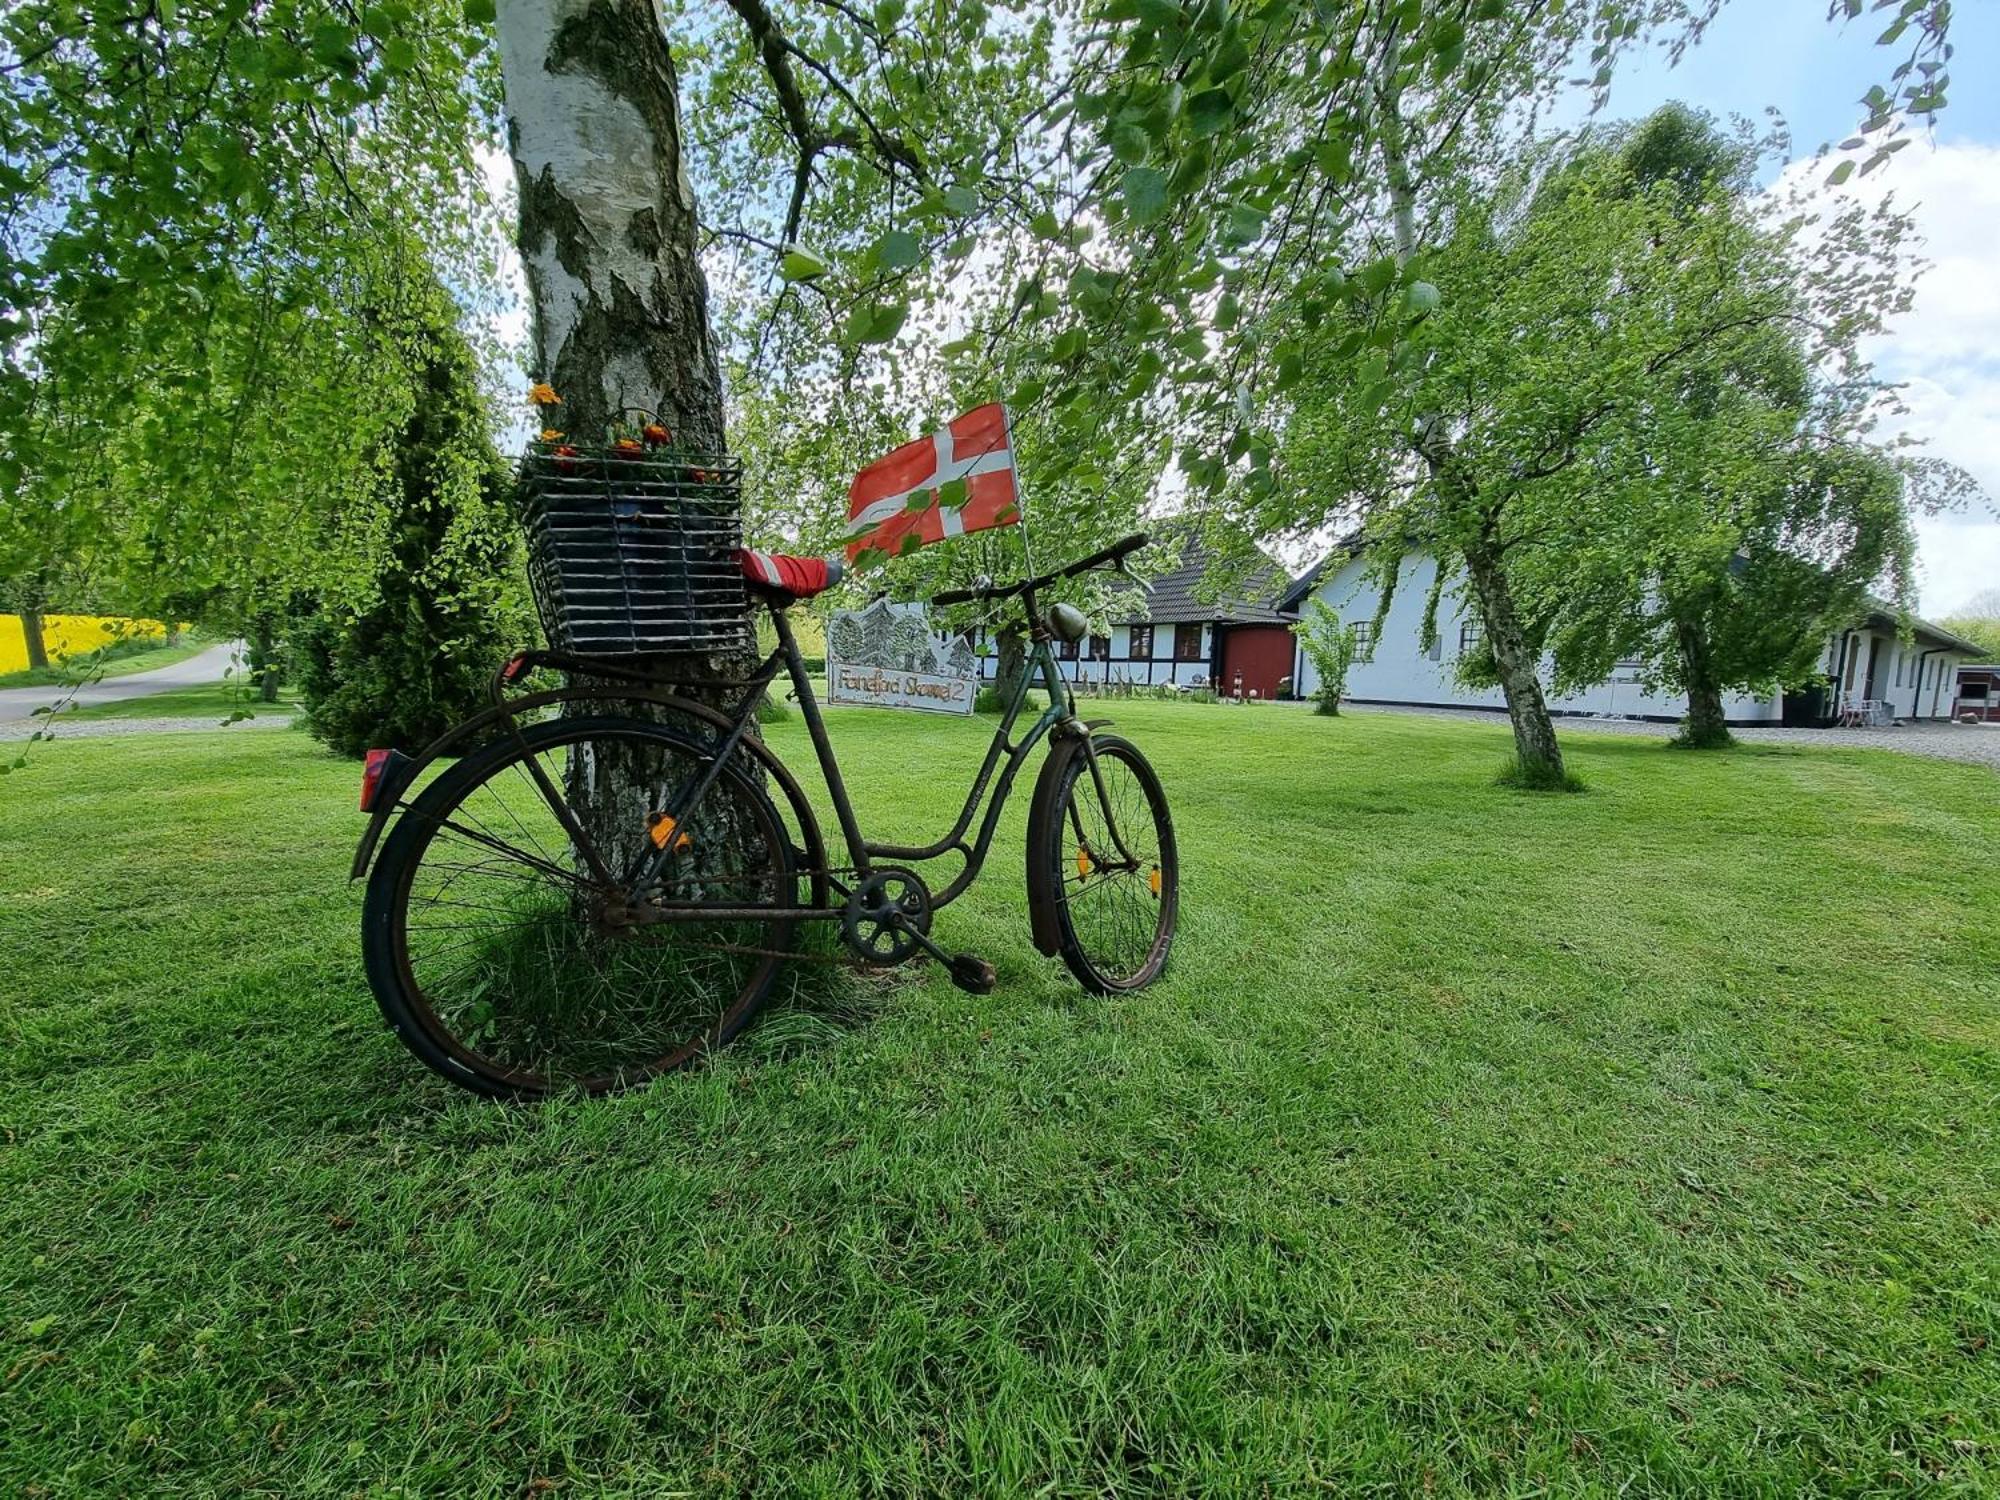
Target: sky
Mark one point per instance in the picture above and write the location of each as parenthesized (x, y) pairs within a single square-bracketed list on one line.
[(1784, 54)]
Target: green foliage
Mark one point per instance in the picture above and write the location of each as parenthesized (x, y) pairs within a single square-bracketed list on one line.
[(1979, 621), (206, 212), (448, 596), (1329, 646)]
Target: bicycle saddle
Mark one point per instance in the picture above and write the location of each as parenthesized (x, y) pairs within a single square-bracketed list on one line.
[(790, 577)]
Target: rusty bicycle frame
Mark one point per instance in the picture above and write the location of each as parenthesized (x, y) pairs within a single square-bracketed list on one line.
[(1069, 734)]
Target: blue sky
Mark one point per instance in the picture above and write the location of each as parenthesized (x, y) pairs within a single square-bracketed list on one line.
[(1786, 54)]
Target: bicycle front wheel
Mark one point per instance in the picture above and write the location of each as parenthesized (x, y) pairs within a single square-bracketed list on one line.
[(505, 939), (1109, 867)]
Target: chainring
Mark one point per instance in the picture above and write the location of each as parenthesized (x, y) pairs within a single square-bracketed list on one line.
[(885, 913)]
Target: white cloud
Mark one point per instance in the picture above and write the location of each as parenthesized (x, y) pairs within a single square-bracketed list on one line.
[(1946, 348)]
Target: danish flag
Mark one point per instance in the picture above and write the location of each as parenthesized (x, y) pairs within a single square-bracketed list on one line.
[(974, 448)]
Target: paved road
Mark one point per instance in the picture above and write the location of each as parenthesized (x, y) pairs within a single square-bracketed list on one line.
[(1978, 743), (18, 705)]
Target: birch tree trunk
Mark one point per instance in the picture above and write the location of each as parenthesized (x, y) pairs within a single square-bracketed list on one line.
[(1485, 564), (608, 238)]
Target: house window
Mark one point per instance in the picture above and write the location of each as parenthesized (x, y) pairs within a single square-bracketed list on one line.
[(1187, 643), (1139, 643), (1470, 637), (1100, 648), (1364, 640)]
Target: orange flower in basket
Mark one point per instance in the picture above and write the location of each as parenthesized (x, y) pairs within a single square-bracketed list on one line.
[(657, 436), (628, 448), (566, 459), (541, 393), (550, 435)]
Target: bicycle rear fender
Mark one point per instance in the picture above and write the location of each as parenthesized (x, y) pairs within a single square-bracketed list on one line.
[(1044, 824), (476, 726)]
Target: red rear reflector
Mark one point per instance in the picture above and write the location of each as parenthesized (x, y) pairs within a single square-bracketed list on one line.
[(372, 771), (516, 668)]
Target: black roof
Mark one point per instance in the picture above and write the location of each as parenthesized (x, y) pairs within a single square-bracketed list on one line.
[(1251, 597)]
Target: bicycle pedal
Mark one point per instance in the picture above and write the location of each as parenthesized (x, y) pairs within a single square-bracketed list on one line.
[(972, 974)]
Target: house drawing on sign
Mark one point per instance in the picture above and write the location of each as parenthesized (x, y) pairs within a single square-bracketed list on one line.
[(1175, 631), (1872, 675)]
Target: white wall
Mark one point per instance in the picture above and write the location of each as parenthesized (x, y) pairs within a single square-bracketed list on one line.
[(1402, 673), (1159, 669), (1897, 666)]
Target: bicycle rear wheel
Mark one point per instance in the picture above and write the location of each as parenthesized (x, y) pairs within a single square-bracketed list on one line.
[(507, 961), (1104, 852)]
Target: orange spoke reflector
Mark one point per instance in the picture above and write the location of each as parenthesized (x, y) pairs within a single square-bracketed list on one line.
[(1153, 880), (660, 827), (1083, 865)]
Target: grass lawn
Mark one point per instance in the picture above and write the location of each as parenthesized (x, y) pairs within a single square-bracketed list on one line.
[(219, 699), (1475, 1142), (148, 659)]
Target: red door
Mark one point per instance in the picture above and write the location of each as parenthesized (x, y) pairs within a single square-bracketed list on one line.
[(1261, 653)]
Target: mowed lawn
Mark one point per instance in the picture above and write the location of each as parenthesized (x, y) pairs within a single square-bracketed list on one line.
[(1642, 1141)]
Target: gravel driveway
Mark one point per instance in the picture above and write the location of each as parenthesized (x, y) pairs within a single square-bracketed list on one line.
[(1977, 743)]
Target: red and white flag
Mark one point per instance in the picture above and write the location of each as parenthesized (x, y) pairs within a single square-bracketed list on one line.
[(975, 448)]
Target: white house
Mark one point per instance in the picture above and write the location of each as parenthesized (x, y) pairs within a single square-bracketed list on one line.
[(1867, 663), (1169, 633)]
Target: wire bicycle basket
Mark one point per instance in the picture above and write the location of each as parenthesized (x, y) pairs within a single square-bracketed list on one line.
[(630, 549)]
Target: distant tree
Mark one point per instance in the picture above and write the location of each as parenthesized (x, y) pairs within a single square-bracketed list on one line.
[(446, 601), (1978, 620), (1731, 516), (845, 638), (1329, 646)]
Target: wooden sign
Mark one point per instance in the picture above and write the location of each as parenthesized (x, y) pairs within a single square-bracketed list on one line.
[(885, 656)]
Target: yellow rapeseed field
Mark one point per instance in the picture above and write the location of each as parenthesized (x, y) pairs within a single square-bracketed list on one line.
[(69, 635)]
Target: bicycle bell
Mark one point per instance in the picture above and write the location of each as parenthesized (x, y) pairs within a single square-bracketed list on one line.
[(1068, 622)]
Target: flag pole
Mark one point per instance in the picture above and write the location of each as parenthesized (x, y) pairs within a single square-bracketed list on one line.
[(1020, 497)]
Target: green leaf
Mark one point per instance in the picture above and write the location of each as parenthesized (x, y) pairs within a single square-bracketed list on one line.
[(920, 500), (1231, 58), (1131, 145), (1210, 110), (479, 12), (1245, 224), (800, 264), (1422, 297), (951, 494), (1145, 193), (1840, 174), (961, 199), (878, 324), (898, 249)]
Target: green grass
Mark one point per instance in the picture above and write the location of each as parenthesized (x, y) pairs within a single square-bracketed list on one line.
[(1639, 1141), (220, 699), (133, 656)]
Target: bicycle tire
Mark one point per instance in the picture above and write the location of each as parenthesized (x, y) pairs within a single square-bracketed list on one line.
[(667, 964), (1114, 918)]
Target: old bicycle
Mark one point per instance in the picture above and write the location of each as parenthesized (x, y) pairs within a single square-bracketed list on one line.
[(605, 884)]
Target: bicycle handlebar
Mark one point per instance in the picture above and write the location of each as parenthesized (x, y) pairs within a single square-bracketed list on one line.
[(1114, 553)]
